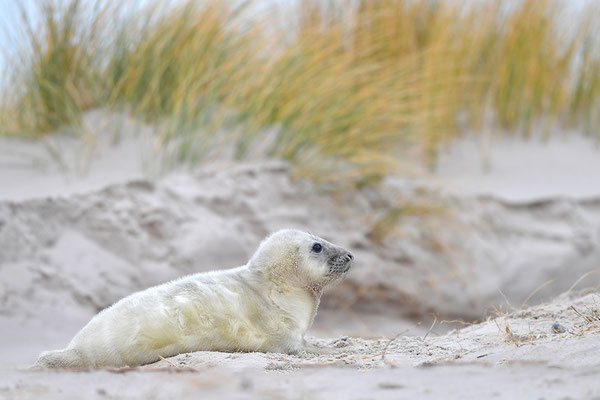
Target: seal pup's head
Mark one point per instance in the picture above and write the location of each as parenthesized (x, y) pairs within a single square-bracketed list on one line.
[(302, 258)]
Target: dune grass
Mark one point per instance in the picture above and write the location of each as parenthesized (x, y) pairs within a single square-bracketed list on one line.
[(346, 91)]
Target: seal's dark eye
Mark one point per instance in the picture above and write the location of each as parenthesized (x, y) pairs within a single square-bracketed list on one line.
[(317, 248)]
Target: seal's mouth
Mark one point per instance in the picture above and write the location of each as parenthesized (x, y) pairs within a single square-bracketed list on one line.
[(340, 264)]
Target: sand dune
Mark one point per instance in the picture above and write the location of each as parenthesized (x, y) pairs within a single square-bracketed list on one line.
[(71, 246)]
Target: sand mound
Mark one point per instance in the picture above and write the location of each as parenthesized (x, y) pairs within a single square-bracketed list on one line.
[(558, 334), (419, 249), (65, 258), (548, 351)]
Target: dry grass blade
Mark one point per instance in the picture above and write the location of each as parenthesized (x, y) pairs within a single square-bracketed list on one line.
[(582, 277), (512, 337), (543, 285), (431, 327), (167, 361), (586, 319), (387, 345)]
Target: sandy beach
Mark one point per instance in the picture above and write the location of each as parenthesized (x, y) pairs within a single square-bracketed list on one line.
[(547, 351), (75, 243)]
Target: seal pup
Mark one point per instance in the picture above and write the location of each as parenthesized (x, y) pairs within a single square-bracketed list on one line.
[(266, 305)]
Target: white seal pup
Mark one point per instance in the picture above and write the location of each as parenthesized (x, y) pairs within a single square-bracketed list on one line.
[(266, 305)]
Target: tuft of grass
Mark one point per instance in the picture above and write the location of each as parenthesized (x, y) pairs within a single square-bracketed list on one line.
[(347, 91), (512, 336), (178, 62), (56, 74)]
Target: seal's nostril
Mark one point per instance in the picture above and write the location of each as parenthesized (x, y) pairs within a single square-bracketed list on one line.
[(350, 256)]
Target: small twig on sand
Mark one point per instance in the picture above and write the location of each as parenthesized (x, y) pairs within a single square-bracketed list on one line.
[(512, 336), (318, 364), (167, 361), (586, 319), (389, 342), (431, 327)]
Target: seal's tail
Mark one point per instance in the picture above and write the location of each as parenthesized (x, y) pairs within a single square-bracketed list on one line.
[(68, 358)]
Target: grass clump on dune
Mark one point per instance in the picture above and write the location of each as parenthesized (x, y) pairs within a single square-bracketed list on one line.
[(55, 73), (346, 91)]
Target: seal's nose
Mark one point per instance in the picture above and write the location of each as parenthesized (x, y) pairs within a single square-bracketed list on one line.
[(349, 256)]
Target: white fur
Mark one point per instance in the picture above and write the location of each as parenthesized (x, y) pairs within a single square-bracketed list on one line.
[(266, 305)]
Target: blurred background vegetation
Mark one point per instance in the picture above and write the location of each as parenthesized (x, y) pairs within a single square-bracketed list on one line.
[(347, 91)]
